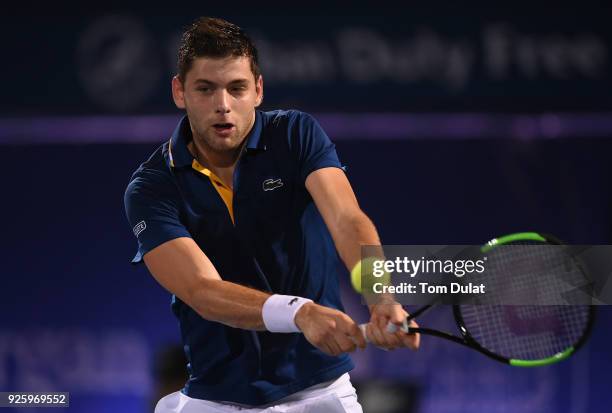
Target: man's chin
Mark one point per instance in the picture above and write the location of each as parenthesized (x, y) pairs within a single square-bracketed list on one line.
[(223, 145)]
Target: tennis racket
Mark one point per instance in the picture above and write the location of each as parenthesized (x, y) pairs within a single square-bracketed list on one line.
[(520, 335)]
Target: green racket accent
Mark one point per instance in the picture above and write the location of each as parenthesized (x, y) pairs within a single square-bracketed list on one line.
[(542, 362), (506, 239)]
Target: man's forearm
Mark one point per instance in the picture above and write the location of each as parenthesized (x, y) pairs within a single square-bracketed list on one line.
[(229, 303), (183, 269), (353, 232)]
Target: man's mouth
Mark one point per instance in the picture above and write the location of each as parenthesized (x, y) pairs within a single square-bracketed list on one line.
[(223, 127)]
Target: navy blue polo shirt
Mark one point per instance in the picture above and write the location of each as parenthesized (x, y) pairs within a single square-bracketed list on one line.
[(267, 234)]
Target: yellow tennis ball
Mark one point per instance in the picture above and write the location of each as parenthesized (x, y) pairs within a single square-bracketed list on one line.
[(362, 276), (356, 277)]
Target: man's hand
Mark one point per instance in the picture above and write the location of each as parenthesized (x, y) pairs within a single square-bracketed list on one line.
[(330, 330), (376, 330)]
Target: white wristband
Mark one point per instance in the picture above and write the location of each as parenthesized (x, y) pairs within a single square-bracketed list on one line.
[(279, 311)]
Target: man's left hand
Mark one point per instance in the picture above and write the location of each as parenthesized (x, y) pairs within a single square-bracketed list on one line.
[(390, 312)]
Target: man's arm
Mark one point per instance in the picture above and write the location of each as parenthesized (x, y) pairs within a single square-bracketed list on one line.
[(182, 268), (350, 228)]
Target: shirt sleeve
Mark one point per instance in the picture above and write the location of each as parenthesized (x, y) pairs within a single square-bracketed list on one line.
[(314, 148), (152, 209)]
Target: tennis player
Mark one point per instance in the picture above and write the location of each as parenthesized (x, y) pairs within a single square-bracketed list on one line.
[(240, 215)]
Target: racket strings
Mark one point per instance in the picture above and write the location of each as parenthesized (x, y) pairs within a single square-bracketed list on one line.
[(531, 274), (528, 273), (526, 332)]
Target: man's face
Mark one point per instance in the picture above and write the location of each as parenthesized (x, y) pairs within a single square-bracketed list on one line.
[(220, 97)]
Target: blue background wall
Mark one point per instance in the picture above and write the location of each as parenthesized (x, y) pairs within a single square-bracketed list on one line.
[(528, 149), (76, 316)]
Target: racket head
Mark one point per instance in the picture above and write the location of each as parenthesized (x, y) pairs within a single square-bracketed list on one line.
[(526, 335)]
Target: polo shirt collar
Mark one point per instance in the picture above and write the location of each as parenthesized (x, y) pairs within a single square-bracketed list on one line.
[(178, 153), (254, 140), (180, 156)]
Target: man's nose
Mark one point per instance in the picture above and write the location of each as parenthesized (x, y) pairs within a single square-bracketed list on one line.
[(222, 100)]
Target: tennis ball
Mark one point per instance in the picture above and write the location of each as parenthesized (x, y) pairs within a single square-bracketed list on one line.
[(362, 276), (356, 277)]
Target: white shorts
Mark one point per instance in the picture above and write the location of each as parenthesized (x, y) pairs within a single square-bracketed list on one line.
[(336, 396)]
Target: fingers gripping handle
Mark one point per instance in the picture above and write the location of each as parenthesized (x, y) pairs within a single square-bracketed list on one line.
[(391, 328), (362, 327)]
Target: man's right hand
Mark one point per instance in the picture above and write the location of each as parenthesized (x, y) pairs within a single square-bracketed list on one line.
[(330, 330)]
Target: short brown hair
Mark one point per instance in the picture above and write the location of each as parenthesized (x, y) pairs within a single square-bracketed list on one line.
[(216, 38)]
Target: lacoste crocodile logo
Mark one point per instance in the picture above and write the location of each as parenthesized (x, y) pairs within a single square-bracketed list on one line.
[(272, 184)]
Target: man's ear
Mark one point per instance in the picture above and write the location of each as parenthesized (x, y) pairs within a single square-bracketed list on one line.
[(259, 90), (178, 92)]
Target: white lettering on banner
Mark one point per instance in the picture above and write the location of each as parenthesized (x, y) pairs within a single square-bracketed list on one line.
[(108, 363), (298, 62), (367, 56), (549, 55), (493, 51)]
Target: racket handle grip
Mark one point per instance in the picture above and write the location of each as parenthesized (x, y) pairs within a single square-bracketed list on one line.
[(391, 328), (362, 327)]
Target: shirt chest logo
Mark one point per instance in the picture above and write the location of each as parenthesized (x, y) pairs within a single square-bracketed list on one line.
[(272, 184)]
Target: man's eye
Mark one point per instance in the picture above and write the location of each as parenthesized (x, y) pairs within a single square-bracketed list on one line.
[(204, 89)]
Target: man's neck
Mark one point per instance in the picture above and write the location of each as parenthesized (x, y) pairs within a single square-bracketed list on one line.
[(221, 164)]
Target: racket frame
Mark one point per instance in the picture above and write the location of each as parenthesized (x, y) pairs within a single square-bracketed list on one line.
[(466, 338)]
